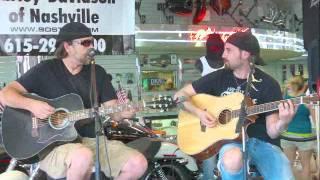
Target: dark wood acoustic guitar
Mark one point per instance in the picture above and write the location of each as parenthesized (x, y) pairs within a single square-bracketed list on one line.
[(28, 139)]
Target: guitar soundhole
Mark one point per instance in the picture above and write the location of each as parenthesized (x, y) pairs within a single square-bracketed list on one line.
[(225, 116), (59, 120)]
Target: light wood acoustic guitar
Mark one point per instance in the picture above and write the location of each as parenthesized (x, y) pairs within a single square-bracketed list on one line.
[(197, 140)]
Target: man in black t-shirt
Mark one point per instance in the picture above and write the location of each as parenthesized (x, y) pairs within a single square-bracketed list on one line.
[(263, 142), (70, 73)]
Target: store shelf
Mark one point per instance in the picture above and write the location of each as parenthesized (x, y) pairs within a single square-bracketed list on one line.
[(153, 114), (155, 68)]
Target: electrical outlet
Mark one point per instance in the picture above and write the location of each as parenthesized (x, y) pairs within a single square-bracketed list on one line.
[(173, 58)]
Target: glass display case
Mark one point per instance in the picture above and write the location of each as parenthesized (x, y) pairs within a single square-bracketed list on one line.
[(155, 81), (159, 76)]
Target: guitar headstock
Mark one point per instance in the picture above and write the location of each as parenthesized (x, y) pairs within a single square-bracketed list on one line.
[(162, 103)]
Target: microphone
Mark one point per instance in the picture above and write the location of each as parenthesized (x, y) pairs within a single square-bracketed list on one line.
[(91, 53)]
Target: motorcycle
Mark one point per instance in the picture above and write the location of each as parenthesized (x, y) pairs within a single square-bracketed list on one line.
[(166, 160)]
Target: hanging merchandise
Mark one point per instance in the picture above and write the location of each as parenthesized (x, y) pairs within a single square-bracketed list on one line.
[(200, 12), (181, 7), (220, 6)]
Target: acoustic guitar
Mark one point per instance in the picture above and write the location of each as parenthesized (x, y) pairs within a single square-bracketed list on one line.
[(197, 140), (28, 139)]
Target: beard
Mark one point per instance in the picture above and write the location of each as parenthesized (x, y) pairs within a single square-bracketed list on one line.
[(227, 65), (85, 60)]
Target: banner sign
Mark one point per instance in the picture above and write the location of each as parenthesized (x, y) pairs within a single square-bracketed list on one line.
[(30, 26)]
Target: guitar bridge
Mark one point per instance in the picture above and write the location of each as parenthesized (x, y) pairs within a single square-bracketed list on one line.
[(203, 127)]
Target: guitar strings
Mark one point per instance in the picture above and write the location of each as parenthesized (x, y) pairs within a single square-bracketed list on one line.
[(60, 117), (55, 119)]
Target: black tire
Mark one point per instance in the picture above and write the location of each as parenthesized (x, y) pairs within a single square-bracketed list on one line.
[(172, 171)]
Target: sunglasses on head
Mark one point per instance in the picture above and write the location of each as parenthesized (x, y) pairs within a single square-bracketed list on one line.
[(85, 43)]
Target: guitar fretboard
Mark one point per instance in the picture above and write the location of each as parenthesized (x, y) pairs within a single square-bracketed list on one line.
[(87, 113), (267, 107)]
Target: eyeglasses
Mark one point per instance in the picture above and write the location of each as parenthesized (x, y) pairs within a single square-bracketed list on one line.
[(85, 43)]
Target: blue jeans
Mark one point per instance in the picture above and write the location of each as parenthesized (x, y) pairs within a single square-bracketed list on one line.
[(270, 161), (208, 166)]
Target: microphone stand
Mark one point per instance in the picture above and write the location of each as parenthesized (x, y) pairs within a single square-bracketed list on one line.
[(242, 119), (95, 115)]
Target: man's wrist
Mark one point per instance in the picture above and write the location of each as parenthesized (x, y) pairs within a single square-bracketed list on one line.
[(198, 112), (281, 126)]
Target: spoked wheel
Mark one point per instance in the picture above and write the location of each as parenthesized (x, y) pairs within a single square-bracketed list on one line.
[(167, 171)]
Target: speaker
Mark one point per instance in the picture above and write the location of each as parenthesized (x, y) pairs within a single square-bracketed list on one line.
[(313, 64), (310, 12)]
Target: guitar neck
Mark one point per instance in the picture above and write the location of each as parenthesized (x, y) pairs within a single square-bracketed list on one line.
[(267, 107), (103, 111)]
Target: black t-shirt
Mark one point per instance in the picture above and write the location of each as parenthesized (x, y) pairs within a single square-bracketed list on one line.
[(51, 79), (264, 90)]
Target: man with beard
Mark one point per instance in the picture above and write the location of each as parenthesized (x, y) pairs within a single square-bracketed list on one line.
[(69, 73), (263, 142)]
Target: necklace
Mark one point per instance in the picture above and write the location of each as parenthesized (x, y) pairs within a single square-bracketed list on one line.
[(239, 84)]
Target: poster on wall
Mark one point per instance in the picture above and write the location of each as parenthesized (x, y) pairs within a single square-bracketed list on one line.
[(29, 27)]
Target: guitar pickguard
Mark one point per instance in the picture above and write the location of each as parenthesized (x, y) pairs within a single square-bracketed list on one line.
[(48, 134)]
